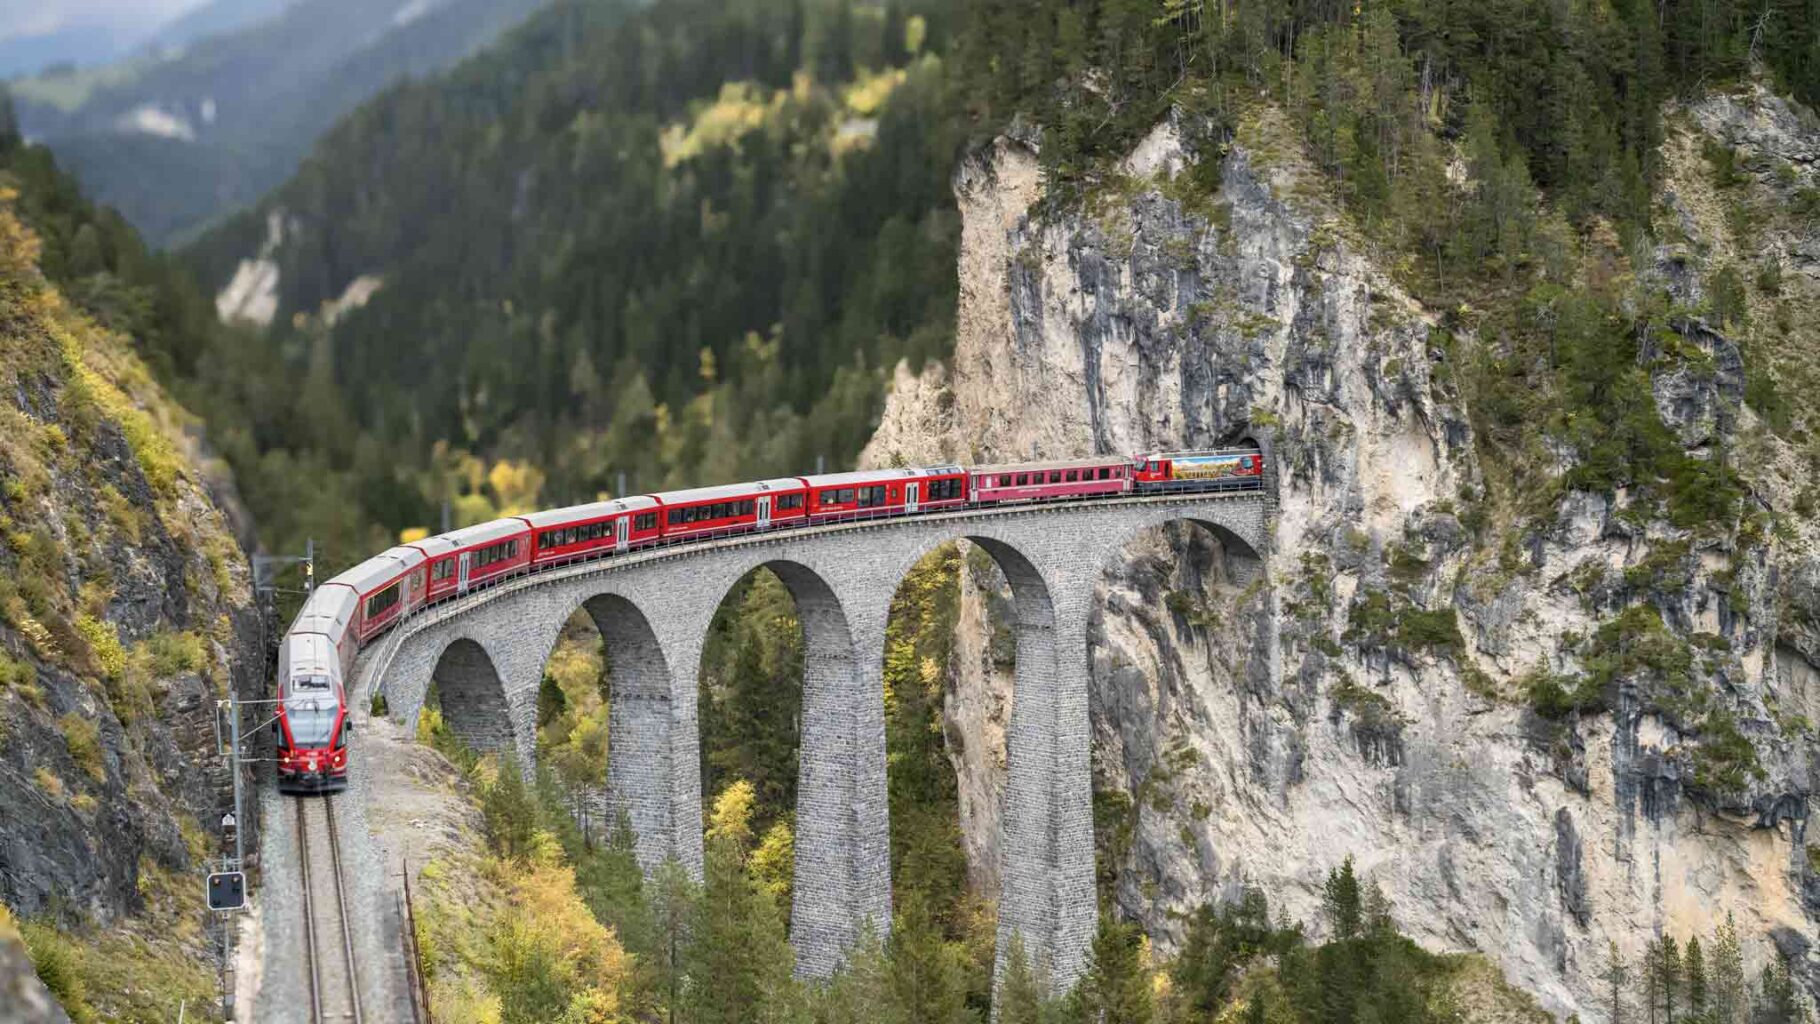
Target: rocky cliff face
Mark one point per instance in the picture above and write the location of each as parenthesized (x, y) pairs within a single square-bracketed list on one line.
[(1372, 691), (125, 614)]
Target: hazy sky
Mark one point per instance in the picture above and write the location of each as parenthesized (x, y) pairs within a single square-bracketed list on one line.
[(36, 17)]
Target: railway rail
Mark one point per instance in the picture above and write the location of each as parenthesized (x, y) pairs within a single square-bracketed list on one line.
[(328, 931)]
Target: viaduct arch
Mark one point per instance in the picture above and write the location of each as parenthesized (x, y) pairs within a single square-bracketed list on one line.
[(653, 610)]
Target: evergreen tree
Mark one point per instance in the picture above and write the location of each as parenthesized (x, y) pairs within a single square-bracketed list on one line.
[(1341, 901), (1729, 995), (1615, 976), (863, 992), (1777, 1000), (1116, 988), (1221, 941), (1020, 997), (928, 973), (737, 958), (1668, 965), (1694, 964), (511, 813), (673, 906)]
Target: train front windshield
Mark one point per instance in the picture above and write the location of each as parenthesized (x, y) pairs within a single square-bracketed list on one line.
[(310, 713)]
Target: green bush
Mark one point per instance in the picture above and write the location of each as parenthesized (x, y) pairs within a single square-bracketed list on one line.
[(1437, 630), (104, 645), (176, 653), (83, 738), (58, 963)]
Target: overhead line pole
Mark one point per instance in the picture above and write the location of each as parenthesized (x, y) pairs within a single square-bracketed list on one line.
[(235, 760)]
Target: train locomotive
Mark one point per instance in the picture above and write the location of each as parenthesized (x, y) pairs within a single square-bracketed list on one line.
[(349, 611)]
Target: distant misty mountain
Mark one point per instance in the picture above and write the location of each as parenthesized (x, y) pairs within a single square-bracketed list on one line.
[(72, 46), (191, 128), (210, 19)]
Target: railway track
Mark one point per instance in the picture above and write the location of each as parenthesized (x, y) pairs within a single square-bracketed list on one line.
[(328, 931)]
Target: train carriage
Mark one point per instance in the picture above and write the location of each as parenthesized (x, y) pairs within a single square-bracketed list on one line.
[(390, 585), (1061, 479), (884, 491), (466, 558), (330, 612), (1201, 470), (736, 508), (584, 531)]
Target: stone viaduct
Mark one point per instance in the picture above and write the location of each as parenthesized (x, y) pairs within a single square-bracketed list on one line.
[(486, 653)]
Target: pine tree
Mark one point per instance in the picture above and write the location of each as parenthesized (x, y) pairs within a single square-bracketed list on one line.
[(1020, 996), (737, 960), (1777, 1001), (928, 974), (673, 899), (1615, 975), (1669, 964), (1117, 987), (862, 992), (1694, 965), (1341, 901), (1729, 995)]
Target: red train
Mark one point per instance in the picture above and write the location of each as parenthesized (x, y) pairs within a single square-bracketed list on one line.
[(350, 610)]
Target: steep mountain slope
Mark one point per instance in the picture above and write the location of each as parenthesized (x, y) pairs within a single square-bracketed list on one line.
[(125, 614), (1547, 719), (174, 139), (638, 247)]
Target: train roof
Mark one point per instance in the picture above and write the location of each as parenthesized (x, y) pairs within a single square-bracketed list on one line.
[(328, 611), (592, 510), (1202, 452), (1031, 467), (470, 536), (381, 569), (877, 476), (308, 654), (726, 491)]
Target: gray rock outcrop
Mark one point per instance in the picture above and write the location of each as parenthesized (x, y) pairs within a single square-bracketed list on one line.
[(1367, 692)]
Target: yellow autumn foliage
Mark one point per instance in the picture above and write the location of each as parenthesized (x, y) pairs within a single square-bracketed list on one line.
[(516, 486), (731, 819), (546, 921), (773, 863)]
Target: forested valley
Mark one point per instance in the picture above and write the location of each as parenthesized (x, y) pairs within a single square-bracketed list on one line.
[(630, 248)]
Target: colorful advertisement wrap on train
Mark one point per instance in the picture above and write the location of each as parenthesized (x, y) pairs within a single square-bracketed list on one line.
[(1207, 467)]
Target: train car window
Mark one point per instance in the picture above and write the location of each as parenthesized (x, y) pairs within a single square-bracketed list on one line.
[(381, 602), (1023, 479), (647, 521), (1073, 476), (878, 495)]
